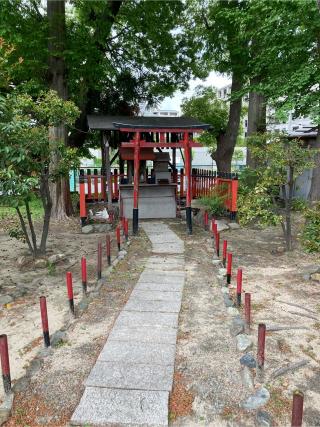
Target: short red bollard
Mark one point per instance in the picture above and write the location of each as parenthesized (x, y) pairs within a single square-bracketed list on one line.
[(70, 291), (261, 344), (126, 229), (108, 248), (229, 267), (206, 220), (239, 286), (99, 261), (45, 323), (224, 252), (118, 237), (218, 244), (297, 409), (212, 226), (247, 309), (5, 364), (215, 230), (84, 274)]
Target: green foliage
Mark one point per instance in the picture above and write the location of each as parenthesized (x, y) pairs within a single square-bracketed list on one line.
[(311, 232), (205, 106), (27, 149), (279, 162), (214, 204)]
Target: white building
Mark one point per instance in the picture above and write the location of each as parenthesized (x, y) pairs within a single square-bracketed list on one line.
[(274, 125)]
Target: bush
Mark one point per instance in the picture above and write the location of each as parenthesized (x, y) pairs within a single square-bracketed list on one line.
[(311, 232), (214, 204)]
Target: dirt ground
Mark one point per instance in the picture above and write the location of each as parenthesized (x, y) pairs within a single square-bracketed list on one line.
[(57, 379), (207, 387), (20, 318), (282, 295)]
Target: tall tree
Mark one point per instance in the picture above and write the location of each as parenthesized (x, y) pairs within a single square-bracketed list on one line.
[(218, 28), (288, 61), (57, 82)]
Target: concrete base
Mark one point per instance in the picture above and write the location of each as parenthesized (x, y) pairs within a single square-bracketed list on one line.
[(155, 201)]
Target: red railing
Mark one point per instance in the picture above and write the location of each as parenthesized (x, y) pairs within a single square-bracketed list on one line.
[(94, 187), (206, 183)]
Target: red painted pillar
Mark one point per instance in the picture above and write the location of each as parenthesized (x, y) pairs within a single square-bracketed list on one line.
[(83, 209), (181, 183), (229, 267), (234, 198), (84, 275), (136, 159), (5, 364), (187, 159), (239, 286), (261, 344)]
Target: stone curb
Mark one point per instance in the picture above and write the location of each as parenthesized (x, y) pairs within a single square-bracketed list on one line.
[(244, 344), (56, 338)]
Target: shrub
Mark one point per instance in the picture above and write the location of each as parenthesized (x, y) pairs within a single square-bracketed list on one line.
[(311, 232), (214, 204)]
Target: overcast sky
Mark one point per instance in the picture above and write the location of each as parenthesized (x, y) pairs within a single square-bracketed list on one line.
[(174, 102)]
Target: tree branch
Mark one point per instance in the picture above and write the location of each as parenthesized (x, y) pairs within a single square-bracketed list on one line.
[(33, 234), (24, 229)]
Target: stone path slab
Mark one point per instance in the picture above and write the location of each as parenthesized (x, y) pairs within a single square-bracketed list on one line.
[(131, 376), (101, 406), (155, 334), (155, 295), (137, 352), (163, 287), (131, 380), (129, 318), (153, 306)]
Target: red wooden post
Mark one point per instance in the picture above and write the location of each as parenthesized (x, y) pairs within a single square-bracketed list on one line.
[(239, 286), (126, 229), (297, 409), (212, 226), (218, 243), (89, 186), (5, 364), (83, 209), (206, 220), (84, 274), (234, 197), (70, 291), (181, 183), (108, 248), (261, 344), (224, 252), (187, 159), (135, 213), (215, 230), (45, 323), (229, 267), (118, 237), (96, 185), (247, 309), (99, 261), (116, 186)]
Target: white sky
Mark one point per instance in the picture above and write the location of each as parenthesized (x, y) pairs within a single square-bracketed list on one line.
[(214, 79)]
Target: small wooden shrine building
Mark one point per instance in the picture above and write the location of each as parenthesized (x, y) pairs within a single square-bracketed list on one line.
[(139, 139)]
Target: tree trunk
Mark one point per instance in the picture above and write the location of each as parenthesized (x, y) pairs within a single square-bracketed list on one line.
[(227, 141), (57, 82), (314, 194), (257, 122)]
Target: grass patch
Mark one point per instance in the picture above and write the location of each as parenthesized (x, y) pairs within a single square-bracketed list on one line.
[(35, 207)]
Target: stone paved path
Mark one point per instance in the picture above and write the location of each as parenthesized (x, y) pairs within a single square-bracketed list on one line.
[(132, 378)]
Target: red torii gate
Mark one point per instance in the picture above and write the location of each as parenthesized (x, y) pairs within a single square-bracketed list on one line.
[(136, 144)]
